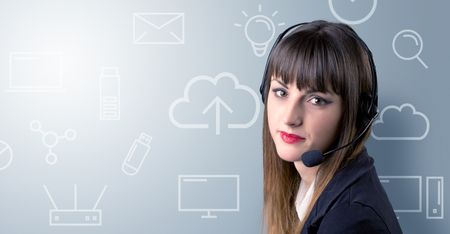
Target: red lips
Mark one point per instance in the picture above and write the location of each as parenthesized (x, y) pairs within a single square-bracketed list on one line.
[(291, 138)]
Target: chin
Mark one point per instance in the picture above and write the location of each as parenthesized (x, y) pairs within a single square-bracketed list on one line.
[(288, 155)]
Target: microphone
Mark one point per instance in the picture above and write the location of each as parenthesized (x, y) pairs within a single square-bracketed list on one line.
[(315, 157)]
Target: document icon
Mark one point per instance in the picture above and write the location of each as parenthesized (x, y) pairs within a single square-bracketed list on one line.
[(35, 71), (158, 28)]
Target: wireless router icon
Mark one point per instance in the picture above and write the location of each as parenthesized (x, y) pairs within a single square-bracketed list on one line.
[(75, 216)]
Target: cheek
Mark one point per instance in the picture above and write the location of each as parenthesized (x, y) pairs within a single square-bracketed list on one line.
[(324, 129), (272, 116)]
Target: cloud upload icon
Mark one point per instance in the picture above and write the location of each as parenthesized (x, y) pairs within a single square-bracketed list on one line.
[(401, 123), (218, 96)]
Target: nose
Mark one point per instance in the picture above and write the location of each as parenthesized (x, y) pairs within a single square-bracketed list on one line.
[(293, 115)]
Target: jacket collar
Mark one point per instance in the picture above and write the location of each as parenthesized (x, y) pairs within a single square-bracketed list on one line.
[(341, 180)]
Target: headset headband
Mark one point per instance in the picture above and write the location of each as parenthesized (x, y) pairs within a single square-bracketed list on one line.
[(372, 110)]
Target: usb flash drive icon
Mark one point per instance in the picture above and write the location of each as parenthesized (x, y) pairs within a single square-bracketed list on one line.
[(137, 154)]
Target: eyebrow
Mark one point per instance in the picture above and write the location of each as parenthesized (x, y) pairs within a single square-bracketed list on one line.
[(307, 91), (281, 83)]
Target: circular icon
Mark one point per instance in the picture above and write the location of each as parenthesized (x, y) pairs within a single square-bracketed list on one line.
[(408, 33), (35, 125), (70, 134), (360, 21), (6, 155), (51, 158), (50, 139)]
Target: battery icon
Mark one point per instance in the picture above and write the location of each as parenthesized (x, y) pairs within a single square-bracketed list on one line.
[(110, 94)]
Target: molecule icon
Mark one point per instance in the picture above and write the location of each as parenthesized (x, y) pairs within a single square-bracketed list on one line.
[(50, 139)]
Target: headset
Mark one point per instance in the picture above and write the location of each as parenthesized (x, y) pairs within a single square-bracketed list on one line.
[(368, 105)]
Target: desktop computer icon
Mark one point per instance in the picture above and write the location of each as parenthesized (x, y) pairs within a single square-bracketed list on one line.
[(75, 216), (397, 186), (208, 193)]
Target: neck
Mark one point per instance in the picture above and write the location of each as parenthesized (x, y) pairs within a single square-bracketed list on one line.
[(308, 174)]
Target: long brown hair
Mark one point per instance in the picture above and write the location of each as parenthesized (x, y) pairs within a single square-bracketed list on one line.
[(322, 56)]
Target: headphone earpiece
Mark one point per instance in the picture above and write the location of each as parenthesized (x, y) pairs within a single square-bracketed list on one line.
[(367, 111)]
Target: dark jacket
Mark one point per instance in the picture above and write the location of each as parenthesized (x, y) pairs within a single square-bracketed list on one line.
[(353, 202)]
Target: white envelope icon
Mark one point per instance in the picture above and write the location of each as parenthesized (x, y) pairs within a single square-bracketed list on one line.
[(158, 28)]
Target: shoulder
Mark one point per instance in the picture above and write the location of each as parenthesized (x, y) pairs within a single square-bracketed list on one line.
[(362, 207), (354, 202), (352, 218)]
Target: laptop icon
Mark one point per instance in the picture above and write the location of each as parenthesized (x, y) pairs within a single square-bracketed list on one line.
[(35, 72)]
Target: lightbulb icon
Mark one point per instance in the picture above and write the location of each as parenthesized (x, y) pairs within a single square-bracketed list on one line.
[(259, 31), (263, 24)]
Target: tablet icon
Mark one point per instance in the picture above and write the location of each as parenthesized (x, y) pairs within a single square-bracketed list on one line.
[(353, 5), (50, 139), (418, 45)]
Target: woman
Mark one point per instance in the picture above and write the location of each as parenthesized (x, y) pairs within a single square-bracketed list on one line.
[(320, 93)]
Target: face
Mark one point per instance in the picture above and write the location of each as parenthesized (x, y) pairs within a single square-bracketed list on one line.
[(301, 120)]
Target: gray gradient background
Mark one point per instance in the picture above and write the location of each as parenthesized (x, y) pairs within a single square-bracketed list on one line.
[(93, 34)]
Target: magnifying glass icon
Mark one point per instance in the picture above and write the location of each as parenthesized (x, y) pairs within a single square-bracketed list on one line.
[(408, 33)]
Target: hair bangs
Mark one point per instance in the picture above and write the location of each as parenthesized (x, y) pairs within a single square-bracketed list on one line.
[(311, 62)]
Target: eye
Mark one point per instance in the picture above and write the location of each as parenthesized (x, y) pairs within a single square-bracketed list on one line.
[(318, 101), (280, 92)]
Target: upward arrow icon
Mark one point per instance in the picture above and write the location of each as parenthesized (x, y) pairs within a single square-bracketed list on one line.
[(217, 102)]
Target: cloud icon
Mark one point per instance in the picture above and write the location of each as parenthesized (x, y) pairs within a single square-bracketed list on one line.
[(205, 96), (401, 123)]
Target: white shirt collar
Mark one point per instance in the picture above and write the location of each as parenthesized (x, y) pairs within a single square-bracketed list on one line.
[(303, 198)]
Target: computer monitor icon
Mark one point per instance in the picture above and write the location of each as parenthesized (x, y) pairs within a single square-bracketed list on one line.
[(397, 186), (75, 216), (208, 193)]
